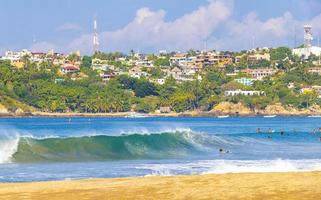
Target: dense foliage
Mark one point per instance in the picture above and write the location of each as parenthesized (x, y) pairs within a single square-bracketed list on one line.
[(43, 88)]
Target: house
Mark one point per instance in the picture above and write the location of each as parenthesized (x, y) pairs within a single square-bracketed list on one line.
[(308, 89), (107, 77), (246, 81), (306, 52), (136, 72), (160, 81), (165, 109), (17, 63), (315, 70), (59, 80), (16, 56), (176, 73), (244, 93), (179, 59), (69, 69), (238, 59), (260, 73), (98, 64), (220, 59), (258, 57), (144, 63), (38, 57)]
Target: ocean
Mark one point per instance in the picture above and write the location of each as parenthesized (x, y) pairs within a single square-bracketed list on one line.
[(43, 149)]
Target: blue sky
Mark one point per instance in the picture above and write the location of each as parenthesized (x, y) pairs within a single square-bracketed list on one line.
[(152, 25)]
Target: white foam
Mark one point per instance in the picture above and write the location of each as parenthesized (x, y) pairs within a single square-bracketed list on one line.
[(231, 166), (9, 140), (7, 148), (159, 130)]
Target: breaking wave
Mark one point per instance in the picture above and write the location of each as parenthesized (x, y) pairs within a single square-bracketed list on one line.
[(100, 147)]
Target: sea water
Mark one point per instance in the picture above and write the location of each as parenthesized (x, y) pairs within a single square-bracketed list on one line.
[(41, 149)]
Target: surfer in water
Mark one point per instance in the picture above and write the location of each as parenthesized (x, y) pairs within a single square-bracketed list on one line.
[(258, 130), (223, 151)]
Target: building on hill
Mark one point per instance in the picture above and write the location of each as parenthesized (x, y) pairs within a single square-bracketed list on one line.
[(179, 59), (159, 81), (17, 63), (260, 73), (305, 53), (107, 77), (98, 64), (315, 70), (308, 49), (16, 55), (144, 63), (38, 57), (137, 72), (246, 81), (176, 73), (244, 93), (308, 89), (258, 57), (69, 69)]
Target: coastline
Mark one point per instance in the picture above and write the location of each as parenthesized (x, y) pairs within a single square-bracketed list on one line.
[(172, 114), (303, 185)]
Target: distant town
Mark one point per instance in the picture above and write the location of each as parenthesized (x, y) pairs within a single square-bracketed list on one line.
[(257, 81)]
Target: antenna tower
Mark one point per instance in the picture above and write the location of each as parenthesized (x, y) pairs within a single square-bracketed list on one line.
[(308, 38), (95, 38)]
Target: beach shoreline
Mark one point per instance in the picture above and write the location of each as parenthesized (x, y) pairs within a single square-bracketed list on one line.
[(133, 114), (292, 185)]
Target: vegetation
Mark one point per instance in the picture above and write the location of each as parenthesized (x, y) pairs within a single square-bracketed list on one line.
[(36, 87)]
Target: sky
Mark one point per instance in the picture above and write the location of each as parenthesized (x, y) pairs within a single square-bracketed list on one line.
[(153, 25)]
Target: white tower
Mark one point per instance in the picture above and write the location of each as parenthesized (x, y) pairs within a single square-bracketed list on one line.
[(95, 38), (308, 38)]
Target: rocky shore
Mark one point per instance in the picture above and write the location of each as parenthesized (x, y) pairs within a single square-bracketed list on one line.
[(221, 109)]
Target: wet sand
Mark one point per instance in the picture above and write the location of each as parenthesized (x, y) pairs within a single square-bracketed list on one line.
[(226, 186)]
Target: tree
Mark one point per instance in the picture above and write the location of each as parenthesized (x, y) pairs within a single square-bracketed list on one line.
[(74, 58), (280, 53), (86, 62), (145, 88), (162, 62)]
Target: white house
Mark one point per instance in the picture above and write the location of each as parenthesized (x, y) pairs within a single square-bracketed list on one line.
[(306, 52), (246, 81), (244, 93)]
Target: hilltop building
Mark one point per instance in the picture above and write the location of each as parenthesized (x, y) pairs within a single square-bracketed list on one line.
[(308, 48)]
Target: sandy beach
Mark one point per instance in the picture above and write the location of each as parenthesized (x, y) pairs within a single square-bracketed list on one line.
[(226, 186)]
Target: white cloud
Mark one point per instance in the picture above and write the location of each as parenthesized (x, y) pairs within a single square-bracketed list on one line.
[(271, 32), (68, 27), (150, 31)]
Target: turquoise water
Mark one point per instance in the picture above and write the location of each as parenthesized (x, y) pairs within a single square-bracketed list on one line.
[(39, 149)]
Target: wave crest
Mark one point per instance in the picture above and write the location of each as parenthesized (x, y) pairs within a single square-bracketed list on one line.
[(103, 147)]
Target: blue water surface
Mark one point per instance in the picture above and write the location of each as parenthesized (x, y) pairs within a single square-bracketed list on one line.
[(244, 150)]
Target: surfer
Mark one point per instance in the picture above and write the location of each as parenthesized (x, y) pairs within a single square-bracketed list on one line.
[(223, 151), (258, 130), (282, 132)]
